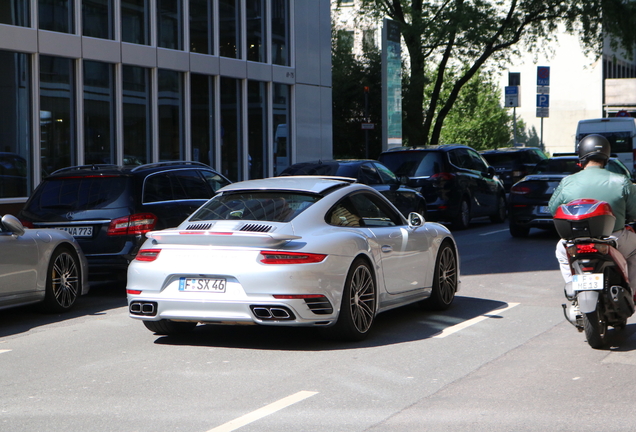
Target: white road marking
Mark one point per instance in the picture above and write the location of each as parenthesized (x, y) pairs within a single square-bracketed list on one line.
[(4, 351), (457, 327), (263, 412), (494, 232)]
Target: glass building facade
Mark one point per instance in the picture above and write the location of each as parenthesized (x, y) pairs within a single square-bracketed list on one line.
[(142, 81)]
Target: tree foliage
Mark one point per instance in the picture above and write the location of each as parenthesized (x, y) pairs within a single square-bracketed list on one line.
[(477, 118), (350, 76), (466, 34)]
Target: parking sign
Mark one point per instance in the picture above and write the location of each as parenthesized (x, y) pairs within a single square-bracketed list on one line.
[(543, 101)]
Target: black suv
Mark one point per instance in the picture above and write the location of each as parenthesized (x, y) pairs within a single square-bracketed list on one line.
[(513, 163), (109, 208), (455, 180)]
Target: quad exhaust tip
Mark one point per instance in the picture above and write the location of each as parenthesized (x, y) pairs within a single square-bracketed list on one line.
[(272, 313), (143, 308)]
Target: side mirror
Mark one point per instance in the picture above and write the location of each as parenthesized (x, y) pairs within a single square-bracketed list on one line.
[(491, 172), (416, 219), (404, 180), (13, 225)]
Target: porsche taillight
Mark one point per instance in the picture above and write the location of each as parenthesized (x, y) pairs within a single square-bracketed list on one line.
[(139, 223), (270, 257), (147, 255)]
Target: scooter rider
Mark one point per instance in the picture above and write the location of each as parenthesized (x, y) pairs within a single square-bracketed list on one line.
[(597, 183)]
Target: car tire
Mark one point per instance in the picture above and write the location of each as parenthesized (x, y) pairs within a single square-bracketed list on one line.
[(63, 281), (500, 214), (167, 327), (357, 308), (445, 280), (518, 231), (462, 218)]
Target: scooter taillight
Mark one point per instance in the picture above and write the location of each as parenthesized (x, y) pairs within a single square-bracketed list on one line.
[(588, 248)]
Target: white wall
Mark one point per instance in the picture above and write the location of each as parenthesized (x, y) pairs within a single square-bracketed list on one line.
[(576, 86)]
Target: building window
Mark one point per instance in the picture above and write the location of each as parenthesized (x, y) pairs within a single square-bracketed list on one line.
[(57, 114), (135, 21), (169, 24), (15, 12), (99, 117), (56, 15), (170, 115), (201, 26), (202, 118), (256, 30), (231, 124), (137, 114), (345, 40), (257, 137), (97, 18), (230, 28), (282, 144), (280, 32), (15, 127)]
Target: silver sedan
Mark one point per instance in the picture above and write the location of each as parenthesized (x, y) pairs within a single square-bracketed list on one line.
[(39, 266), (296, 251)]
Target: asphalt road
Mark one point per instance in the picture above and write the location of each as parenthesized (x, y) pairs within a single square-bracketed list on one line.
[(501, 359)]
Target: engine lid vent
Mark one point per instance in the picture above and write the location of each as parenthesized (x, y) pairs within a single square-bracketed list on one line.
[(200, 226), (256, 228)]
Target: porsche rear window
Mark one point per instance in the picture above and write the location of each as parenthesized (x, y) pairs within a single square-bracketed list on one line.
[(258, 206)]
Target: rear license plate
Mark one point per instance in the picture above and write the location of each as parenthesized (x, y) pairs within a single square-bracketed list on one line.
[(78, 231), (202, 284), (587, 282), (544, 209)]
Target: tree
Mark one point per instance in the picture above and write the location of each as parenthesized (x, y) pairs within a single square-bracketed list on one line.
[(467, 34), (350, 76), (477, 118)]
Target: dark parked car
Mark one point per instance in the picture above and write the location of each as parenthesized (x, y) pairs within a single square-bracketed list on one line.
[(369, 172), (13, 175), (513, 163), (455, 180), (528, 199), (109, 208)]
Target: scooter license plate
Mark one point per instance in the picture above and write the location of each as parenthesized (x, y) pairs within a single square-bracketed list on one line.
[(587, 282)]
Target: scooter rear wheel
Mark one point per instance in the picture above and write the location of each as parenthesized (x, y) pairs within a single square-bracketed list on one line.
[(595, 329)]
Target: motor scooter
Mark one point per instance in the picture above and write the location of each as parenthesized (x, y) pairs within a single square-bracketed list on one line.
[(599, 293)]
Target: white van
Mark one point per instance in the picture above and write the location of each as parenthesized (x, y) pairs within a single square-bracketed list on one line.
[(620, 132)]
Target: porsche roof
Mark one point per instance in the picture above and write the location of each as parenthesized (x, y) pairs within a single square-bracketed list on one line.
[(311, 184)]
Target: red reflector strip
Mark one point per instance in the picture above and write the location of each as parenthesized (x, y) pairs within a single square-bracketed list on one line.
[(134, 292), (588, 269), (204, 233), (269, 257), (298, 296), (147, 254)]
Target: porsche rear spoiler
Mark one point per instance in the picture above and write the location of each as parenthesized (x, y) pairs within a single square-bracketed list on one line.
[(220, 238)]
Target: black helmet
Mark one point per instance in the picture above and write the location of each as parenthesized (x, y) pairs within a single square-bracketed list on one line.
[(594, 146)]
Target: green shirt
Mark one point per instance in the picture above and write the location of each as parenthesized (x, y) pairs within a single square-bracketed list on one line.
[(600, 184)]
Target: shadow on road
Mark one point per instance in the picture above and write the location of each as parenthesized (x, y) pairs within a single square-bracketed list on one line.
[(99, 299), (406, 324)]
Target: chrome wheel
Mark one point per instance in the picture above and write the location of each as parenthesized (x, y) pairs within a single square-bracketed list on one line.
[(362, 302), (357, 308), (445, 282), (64, 282)]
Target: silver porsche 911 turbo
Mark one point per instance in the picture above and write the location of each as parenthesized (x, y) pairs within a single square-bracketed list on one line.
[(298, 251), (40, 266)]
